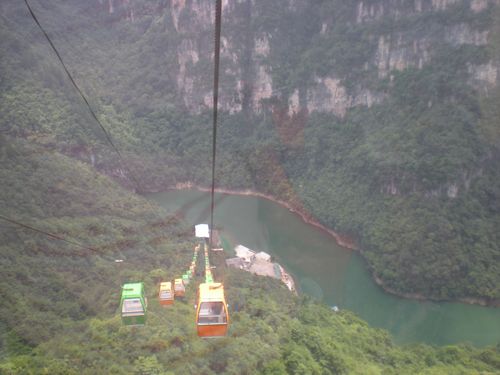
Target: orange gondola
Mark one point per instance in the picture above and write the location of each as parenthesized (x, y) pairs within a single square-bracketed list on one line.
[(179, 288), (212, 316), (166, 294)]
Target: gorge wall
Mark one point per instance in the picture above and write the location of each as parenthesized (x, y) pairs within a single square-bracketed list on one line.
[(265, 47)]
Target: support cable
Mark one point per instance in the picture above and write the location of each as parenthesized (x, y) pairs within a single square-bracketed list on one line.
[(218, 16), (54, 236), (108, 137), (94, 116)]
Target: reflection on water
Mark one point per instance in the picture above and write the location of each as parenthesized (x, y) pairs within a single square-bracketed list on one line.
[(335, 275)]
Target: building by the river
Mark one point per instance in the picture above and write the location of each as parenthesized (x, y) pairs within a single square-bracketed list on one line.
[(260, 263)]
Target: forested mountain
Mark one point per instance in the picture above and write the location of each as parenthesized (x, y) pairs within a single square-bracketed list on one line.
[(378, 118), (59, 302)]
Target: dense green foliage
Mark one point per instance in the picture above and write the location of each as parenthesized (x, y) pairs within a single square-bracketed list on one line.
[(413, 179), (380, 174), (398, 171), (59, 302)]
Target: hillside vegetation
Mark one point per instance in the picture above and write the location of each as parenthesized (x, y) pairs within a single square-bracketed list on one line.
[(59, 311), (413, 177)]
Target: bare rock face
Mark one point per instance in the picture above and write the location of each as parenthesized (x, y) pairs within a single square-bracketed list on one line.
[(397, 52), (248, 54), (442, 4), (463, 34), (478, 5), (329, 95), (186, 54), (176, 8), (368, 11), (483, 77), (263, 88)]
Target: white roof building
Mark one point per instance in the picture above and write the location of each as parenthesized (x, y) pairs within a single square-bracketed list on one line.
[(263, 256), (202, 231), (244, 252)]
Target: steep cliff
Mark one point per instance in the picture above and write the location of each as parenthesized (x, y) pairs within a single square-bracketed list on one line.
[(324, 56)]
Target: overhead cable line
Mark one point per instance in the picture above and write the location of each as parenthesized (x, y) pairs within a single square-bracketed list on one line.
[(94, 116), (52, 235), (218, 22), (108, 137)]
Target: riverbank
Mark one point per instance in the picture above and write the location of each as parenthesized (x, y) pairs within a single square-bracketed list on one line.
[(342, 241), (421, 297), (330, 273)]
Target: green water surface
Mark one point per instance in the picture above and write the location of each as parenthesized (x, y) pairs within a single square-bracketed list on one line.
[(331, 273)]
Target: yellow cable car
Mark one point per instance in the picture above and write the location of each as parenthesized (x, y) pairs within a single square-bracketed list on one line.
[(179, 288), (166, 294), (212, 316)]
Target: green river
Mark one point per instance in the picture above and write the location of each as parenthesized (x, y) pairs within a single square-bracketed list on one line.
[(331, 273)]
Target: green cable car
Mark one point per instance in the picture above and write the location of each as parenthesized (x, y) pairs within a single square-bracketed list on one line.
[(133, 304)]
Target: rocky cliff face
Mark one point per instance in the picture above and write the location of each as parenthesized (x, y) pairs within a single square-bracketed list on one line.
[(400, 34)]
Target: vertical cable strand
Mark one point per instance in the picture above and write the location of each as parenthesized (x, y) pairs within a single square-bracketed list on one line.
[(218, 14)]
